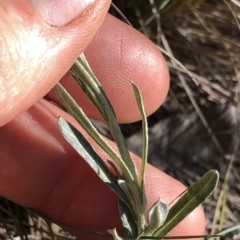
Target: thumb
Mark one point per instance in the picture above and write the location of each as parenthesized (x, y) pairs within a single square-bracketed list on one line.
[(39, 41)]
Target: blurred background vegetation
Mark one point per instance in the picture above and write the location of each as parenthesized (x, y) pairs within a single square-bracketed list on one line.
[(197, 128)]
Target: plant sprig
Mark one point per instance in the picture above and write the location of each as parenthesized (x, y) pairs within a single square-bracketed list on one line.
[(125, 183)]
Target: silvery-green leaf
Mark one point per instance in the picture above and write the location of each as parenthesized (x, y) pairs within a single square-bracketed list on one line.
[(128, 192), (131, 191), (195, 195), (83, 120), (114, 233), (140, 105), (129, 225), (139, 100), (157, 216), (125, 188), (84, 76), (83, 147)]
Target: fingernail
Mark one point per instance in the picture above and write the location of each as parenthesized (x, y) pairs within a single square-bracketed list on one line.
[(60, 12)]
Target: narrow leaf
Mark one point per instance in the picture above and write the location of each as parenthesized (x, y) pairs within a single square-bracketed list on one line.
[(139, 100), (128, 223), (129, 193), (136, 206), (83, 147), (144, 130), (157, 217), (83, 120), (195, 195), (84, 76)]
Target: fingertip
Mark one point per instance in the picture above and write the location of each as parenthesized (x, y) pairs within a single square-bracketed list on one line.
[(35, 56), (118, 55), (131, 57)]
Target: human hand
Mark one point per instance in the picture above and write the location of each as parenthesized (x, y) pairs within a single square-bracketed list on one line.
[(39, 169)]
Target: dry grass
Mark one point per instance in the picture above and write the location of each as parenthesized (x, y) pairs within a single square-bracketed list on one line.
[(198, 126)]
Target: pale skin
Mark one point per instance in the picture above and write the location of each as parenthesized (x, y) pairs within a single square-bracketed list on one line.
[(39, 169)]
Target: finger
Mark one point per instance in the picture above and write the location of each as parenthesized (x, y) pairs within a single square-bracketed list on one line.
[(40, 170), (120, 54), (35, 55)]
